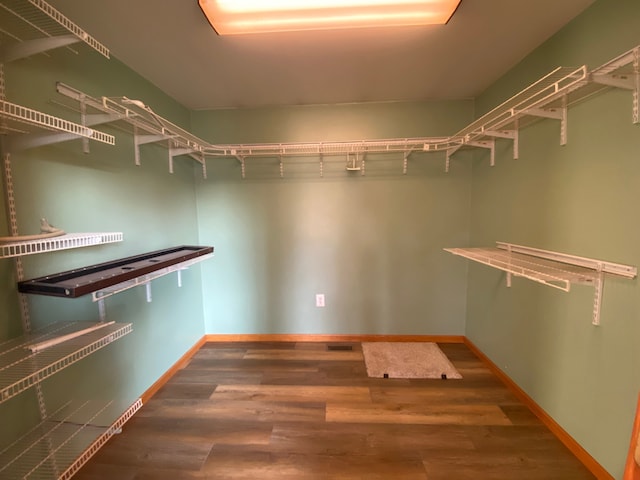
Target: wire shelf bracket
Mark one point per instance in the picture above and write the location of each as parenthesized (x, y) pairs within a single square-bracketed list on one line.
[(554, 269), (100, 295), (622, 72)]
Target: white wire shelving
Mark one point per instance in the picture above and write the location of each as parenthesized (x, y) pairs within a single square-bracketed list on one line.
[(31, 27), (62, 242), (554, 269), (21, 369), (17, 119), (548, 97), (63, 442), (28, 27), (147, 126)]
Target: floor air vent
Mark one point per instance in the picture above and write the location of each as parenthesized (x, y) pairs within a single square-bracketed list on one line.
[(335, 348)]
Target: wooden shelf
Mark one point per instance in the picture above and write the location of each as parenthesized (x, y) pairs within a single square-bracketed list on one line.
[(81, 281)]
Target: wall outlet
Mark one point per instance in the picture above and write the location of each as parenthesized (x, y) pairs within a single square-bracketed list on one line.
[(319, 299)]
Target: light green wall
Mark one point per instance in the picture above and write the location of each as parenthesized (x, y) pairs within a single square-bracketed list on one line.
[(102, 191), (372, 244), (581, 199)]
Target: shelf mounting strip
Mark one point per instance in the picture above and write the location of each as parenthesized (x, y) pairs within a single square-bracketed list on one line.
[(554, 269)]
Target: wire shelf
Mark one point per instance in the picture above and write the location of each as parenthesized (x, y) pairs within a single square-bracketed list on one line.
[(549, 88), (142, 118), (60, 445), (29, 20), (19, 119), (552, 93), (548, 273), (62, 242), (20, 369), (403, 145), (554, 269)]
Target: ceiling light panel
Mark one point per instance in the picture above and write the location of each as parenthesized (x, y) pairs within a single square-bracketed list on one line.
[(232, 17)]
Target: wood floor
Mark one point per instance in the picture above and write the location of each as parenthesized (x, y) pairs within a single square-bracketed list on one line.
[(300, 411)]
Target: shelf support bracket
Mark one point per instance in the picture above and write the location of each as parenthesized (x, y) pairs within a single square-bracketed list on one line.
[(93, 119), (553, 113), (626, 82), (102, 310), (143, 140), (175, 152), (33, 140), (489, 144), (598, 286), (509, 134), (203, 162), (509, 272), (449, 152), (243, 167), (33, 47), (405, 162)]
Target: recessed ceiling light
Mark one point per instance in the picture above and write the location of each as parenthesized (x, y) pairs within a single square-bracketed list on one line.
[(232, 17)]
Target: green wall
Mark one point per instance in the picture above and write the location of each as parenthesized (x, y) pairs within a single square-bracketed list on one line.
[(581, 199), (371, 244), (102, 191)]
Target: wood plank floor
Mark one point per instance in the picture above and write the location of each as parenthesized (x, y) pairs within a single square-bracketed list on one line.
[(300, 411)]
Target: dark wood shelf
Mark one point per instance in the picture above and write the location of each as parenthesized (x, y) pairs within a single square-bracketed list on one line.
[(85, 280)]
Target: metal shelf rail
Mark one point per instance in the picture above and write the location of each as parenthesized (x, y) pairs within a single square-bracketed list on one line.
[(21, 369), (62, 242), (554, 269), (62, 443)]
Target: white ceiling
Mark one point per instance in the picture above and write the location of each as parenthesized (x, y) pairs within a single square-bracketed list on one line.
[(170, 43)]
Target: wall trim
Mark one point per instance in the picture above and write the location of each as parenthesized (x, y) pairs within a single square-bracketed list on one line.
[(158, 384), (578, 451), (303, 337)]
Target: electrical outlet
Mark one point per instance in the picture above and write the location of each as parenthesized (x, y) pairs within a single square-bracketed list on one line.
[(319, 299)]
